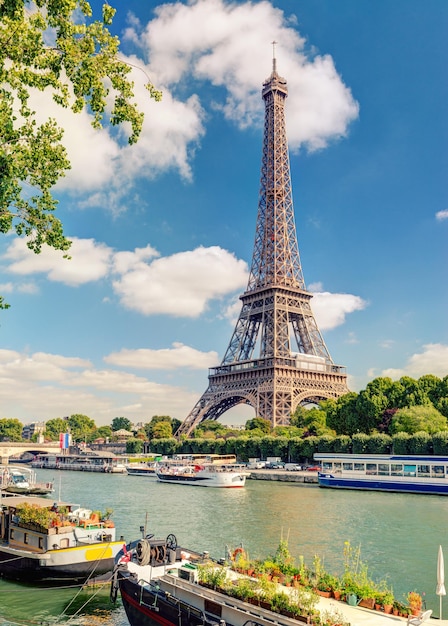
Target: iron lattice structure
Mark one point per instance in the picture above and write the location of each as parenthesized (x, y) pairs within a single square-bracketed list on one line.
[(277, 357)]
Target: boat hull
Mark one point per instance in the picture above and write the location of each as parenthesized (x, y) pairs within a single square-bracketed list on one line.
[(171, 601), (59, 566), (144, 607), (230, 480), (141, 471), (378, 484)]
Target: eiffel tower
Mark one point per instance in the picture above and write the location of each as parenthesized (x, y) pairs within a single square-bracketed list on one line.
[(277, 357)]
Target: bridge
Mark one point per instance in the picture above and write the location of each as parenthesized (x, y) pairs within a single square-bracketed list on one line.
[(10, 448)]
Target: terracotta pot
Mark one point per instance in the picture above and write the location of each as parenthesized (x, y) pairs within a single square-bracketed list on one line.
[(367, 603), (388, 608), (336, 594)]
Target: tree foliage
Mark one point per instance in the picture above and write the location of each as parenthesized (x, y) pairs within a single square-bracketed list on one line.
[(55, 46), (10, 429), (121, 423), (416, 419), (54, 427), (81, 427)]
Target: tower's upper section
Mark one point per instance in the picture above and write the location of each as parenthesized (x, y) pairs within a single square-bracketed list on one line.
[(275, 260)]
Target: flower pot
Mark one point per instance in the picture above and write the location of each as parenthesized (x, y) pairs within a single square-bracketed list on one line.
[(323, 594), (337, 594), (367, 603), (388, 608)]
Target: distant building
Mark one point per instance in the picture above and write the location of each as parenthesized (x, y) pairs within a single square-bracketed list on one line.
[(122, 434), (30, 429)]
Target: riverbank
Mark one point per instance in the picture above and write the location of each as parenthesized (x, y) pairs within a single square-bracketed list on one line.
[(304, 477)]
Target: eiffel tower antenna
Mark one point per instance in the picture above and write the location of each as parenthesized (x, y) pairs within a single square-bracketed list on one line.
[(276, 358)]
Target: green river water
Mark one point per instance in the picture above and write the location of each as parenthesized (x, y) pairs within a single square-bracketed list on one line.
[(399, 534)]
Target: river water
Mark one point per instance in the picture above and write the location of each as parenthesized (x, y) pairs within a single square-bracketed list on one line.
[(399, 534)]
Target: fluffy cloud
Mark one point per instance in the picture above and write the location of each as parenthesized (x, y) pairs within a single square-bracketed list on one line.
[(442, 215), (432, 360), (45, 386), (230, 54), (165, 359), (331, 309), (181, 284), (89, 261)]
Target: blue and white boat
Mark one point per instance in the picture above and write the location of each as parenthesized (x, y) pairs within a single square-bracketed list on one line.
[(378, 472)]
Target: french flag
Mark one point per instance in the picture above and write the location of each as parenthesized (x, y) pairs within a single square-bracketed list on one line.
[(64, 440)]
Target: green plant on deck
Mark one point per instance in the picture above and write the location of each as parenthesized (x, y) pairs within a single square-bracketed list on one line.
[(266, 588), (304, 599), (282, 557), (280, 601), (244, 588), (213, 575), (41, 516)]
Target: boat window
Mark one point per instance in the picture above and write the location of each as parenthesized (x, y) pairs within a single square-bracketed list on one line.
[(41, 543), (438, 471), (410, 470), (371, 468), (424, 470), (359, 467), (327, 465), (348, 466), (11, 534), (383, 469), (25, 538), (337, 466), (396, 469)]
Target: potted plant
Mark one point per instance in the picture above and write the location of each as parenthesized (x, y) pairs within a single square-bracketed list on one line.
[(415, 602)]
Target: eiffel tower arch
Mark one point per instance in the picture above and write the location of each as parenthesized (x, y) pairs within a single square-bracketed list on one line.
[(277, 357)]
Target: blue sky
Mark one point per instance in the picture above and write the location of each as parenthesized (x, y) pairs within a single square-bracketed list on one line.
[(163, 231)]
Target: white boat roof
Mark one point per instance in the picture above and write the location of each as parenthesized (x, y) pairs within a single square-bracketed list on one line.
[(44, 502)]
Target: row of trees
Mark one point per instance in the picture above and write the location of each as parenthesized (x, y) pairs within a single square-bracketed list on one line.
[(298, 450), (84, 429), (384, 407)]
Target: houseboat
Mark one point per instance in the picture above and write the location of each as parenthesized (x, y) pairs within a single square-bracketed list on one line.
[(378, 472), (54, 543), (158, 584), (87, 462)]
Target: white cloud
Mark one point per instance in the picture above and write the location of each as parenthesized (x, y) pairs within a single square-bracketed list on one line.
[(331, 309), (182, 284), (433, 360), (164, 359), (387, 343), (89, 261), (231, 52), (442, 215), (179, 285), (45, 386)]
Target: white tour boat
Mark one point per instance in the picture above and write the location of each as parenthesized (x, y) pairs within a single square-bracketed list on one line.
[(206, 474)]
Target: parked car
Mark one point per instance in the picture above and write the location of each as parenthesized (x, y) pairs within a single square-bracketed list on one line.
[(314, 468), (292, 467), (276, 465)]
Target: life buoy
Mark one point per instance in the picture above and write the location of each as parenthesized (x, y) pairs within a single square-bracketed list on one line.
[(238, 553)]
